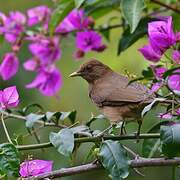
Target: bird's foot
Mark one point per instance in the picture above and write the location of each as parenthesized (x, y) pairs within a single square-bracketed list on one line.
[(137, 134)]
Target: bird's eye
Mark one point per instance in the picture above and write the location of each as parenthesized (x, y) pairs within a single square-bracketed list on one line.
[(89, 67)]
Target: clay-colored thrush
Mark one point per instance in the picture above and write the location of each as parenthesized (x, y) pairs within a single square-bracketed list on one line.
[(111, 92)]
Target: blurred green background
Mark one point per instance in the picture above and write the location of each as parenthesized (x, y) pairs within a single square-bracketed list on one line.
[(73, 95)]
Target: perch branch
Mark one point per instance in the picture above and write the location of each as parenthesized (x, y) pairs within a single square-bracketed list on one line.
[(137, 163), (92, 139), (11, 115), (166, 5)]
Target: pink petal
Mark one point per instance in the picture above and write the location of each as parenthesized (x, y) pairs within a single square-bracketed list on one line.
[(9, 66), (10, 97)]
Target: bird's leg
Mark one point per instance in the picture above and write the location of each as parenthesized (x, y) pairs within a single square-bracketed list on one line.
[(104, 131), (123, 128), (139, 129)]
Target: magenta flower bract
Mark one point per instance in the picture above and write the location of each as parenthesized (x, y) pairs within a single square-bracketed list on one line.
[(39, 14), (150, 54), (75, 20), (158, 71), (9, 97), (89, 40), (9, 66), (161, 37), (161, 32), (174, 82), (13, 26), (48, 82), (47, 50), (155, 87), (35, 167), (30, 65), (176, 56), (165, 115)]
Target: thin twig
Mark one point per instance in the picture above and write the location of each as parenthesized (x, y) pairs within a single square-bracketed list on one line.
[(166, 5), (137, 163), (105, 28), (5, 129), (11, 115), (92, 139)]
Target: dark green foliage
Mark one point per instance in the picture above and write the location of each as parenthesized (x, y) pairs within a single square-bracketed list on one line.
[(9, 160), (114, 159), (170, 138)]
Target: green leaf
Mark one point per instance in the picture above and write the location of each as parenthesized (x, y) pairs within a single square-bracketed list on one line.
[(51, 115), (99, 8), (78, 3), (81, 128), (63, 141), (71, 115), (60, 13), (32, 108), (170, 138), (150, 106), (92, 119), (32, 118), (9, 160), (170, 72), (151, 146), (132, 10), (148, 73), (114, 159), (128, 38), (61, 116)]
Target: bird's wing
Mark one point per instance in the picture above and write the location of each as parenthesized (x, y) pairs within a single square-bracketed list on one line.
[(114, 90)]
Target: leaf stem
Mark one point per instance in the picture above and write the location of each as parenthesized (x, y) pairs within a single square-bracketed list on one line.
[(5, 129)]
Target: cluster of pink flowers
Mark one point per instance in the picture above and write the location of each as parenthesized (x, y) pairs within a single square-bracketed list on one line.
[(45, 49), (35, 167), (163, 38)]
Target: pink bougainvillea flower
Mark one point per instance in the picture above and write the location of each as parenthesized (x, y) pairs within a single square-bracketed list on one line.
[(13, 26), (161, 37), (161, 33), (150, 54), (9, 97), (176, 56), (158, 71), (155, 87), (169, 115), (165, 115), (9, 66), (48, 82), (35, 167), (89, 40), (30, 65), (75, 20), (47, 50), (39, 14), (174, 82)]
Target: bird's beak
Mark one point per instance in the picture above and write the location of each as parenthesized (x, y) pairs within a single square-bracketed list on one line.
[(75, 74)]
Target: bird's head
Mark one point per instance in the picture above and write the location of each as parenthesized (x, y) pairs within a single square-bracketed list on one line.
[(91, 70)]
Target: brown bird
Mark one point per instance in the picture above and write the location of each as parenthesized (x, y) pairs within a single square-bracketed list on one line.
[(113, 95)]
